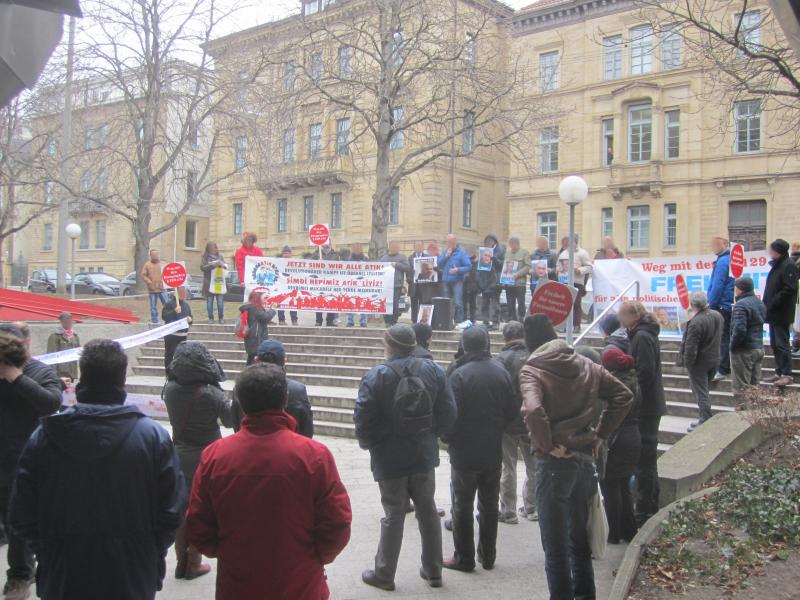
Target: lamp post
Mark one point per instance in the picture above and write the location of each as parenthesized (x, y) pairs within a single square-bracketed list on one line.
[(573, 190), (73, 231)]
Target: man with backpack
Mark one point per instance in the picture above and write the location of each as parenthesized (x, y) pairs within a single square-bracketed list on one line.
[(403, 405)]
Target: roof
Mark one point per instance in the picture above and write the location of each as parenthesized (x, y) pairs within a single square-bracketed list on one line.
[(542, 4)]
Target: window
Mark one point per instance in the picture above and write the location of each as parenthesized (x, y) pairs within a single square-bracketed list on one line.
[(88, 136), (398, 137), (100, 233), (314, 141), (315, 68), (470, 49), (394, 207), (311, 7), (608, 142), (607, 222), (191, 186), (289, 76), (193, 132), (748, 126), (308, 212), (86, 182), (102, 181), (747, 224), (48, 192), (345, 52), (547, 225), (612, 57), (468, 139), (640, 133), (639, 227), (749, 30), (641, 50), (548, 148), (101, 135), (241, 153), (190, 234), (343, 137), (237, 218), (672, 134), (288, 145), (283, 221), (670, 48), (670, 225), (396, 52), (83, 242), (548, 71), (52, 146), (336, 211), (47, 237), (466, 209)]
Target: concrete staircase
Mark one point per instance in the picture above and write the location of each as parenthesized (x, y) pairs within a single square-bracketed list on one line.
[(331, 362)]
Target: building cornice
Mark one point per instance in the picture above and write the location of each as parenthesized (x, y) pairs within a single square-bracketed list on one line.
[(535, 19)]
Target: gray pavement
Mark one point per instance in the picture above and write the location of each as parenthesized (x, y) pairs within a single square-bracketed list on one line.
[(519, 573)]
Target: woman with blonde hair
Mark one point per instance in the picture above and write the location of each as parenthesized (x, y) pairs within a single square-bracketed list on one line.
[(248, 248), (643, 330)]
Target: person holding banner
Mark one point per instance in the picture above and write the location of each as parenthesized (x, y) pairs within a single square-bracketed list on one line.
[(780, 298), (401, 269), (248, 248), (286, 252), (214, 269), (720, 299), (357, 255)]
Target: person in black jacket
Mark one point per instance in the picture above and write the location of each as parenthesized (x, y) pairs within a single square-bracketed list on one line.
[(515, 438), (99, 491), (195, 404), (258, 319), (643, 330), (488, 404), (419, 252), (471, 286), (29, 390), (298, 404), (747, 336), (423, 333), (175, 310), (489, 283), (780, 298)]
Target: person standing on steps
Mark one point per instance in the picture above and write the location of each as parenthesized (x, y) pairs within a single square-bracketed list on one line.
[(151, 275), (248, 248), (489, 283), (328, 253), (515, 294), (454, 264), (780, 298), (210, 261), (747, 337), (699, 353), (471, 285), (401, 270), (175, 310), (258, 318), (403, 405), (196, 405), (286, 252), (583, 271), (357, 255), (62, 339), (720, 299), (418, 252)]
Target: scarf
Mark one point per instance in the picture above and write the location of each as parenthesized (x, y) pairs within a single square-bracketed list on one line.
[(68, 334)]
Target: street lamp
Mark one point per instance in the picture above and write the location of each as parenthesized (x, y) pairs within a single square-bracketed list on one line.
[(73, 231), (573, 190)]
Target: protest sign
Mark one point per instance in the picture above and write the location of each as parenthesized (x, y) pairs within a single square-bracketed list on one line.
[(425, 269), (509, 272), (683, 291), (485, 255), (737, 262), (554, 300)]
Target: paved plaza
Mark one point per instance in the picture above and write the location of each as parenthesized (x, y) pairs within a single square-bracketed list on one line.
[(519, 573)]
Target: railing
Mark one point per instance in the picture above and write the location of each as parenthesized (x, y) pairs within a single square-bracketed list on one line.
[(608, 308)]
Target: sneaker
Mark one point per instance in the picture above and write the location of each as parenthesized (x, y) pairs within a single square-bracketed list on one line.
[(509, 518), (17, 589), (784, 381), (434, 582), (530, 516), (370, 578), (771, 379), (719, 377), (211, 321), (222, 321)]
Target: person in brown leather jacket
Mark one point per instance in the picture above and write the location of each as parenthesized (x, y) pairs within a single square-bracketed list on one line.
[(560, 390)]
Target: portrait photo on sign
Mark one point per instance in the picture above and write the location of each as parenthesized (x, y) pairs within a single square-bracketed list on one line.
[(538, 271), (485, 256), (667, 317), (425, 314), (509, 274), (425, 269)]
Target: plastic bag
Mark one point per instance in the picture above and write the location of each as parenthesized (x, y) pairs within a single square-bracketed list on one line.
[(597, 526)]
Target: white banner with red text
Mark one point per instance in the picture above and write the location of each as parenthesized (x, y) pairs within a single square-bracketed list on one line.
[(321, 285)]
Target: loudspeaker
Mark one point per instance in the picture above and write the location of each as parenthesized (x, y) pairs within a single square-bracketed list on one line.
[(442, 314)]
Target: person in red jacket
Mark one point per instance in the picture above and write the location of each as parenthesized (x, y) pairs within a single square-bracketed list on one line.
[(248, 248), (267, 502)]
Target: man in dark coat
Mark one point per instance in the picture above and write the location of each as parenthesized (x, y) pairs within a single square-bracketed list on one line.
[(699, 352), (418, 252), (780, 298), (99, 491), (423, 333), (403, 463), (489, 282), (515, 438), (487, 404), (747, 336), (401, 270), (27, 393)]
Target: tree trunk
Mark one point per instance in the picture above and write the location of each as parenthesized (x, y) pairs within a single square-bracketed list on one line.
[(141, 251), (378, 241)]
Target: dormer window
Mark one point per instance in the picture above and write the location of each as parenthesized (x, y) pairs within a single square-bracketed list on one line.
[(311, 7)]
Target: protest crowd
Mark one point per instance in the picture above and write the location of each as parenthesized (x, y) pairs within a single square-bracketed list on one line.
[(94, 495)]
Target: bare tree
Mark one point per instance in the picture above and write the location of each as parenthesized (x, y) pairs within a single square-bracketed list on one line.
[(413, 83)]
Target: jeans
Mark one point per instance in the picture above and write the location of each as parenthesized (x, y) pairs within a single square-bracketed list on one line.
[(21, 562), (282, 316), (220, 306), (490, 307), (515, 297), (779, 341), (465, 485), (351, 320), (471, 306), (699, 382), (513, 444), (395, 494), (746, 368), (647, 479), (564, 487), (330, 319), (455, 290), (154, 298), (725, 343)]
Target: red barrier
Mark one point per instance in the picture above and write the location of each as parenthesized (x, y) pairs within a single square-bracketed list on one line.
[(24, 306)]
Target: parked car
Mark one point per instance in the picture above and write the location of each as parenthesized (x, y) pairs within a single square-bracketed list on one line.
[(128, 284), (235, 291), (44, 280), (97, 284)]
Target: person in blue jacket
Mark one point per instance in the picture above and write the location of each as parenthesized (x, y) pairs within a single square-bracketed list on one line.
[(720, 299), (454, 264), (99, 491)]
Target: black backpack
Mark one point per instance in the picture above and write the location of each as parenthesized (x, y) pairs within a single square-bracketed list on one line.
[(412, 406)]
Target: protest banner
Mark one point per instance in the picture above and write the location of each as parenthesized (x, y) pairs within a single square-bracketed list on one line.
[(320, 285)]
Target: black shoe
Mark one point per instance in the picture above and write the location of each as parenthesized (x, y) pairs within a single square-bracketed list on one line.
[(456, 565), (448, 524), (434, 582), (487, 565), (282, 322), (370, 578)]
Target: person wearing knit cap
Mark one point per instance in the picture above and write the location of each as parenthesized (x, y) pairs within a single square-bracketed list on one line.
[(403, 404), (538, 331), (780, 298), (747, 336), (423, 333), (615, 334)]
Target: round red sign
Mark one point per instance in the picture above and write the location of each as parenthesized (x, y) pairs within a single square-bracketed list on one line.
[(554, 300), (319, 234), (737, 260), (174, 275), (683, 291)]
